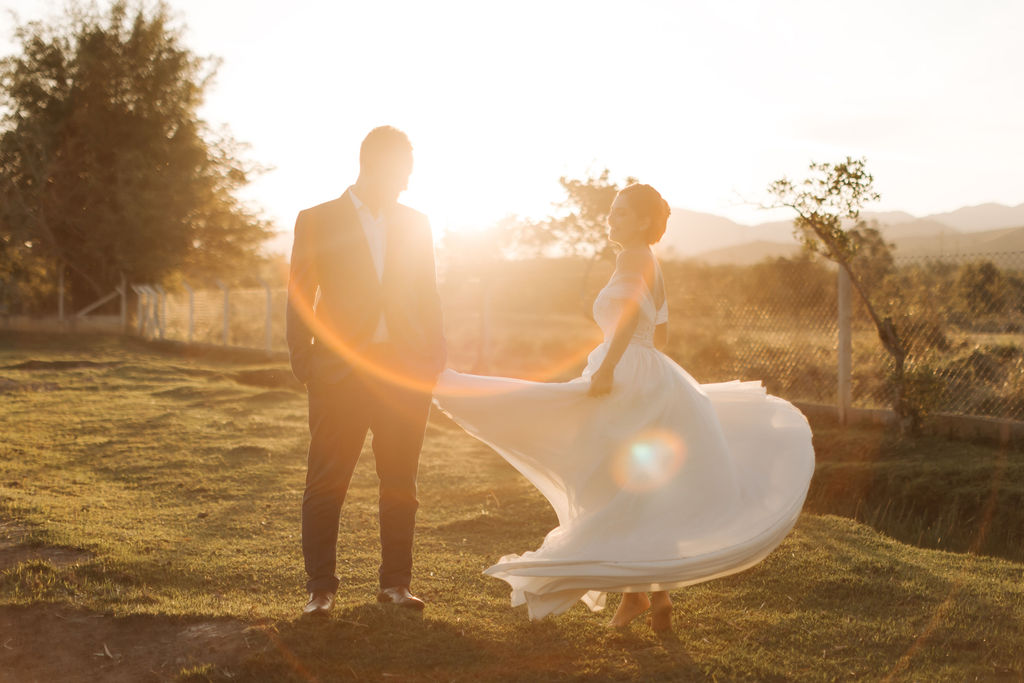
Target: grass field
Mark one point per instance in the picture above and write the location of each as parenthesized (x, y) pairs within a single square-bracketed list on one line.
[(149, 530)]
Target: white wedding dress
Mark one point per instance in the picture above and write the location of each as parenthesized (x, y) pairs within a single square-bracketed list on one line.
[(662, 483)]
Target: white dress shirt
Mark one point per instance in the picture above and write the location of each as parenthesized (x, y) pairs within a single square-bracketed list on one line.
[(375, 229)]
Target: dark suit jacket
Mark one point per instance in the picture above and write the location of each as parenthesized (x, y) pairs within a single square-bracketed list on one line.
[(331, 252)]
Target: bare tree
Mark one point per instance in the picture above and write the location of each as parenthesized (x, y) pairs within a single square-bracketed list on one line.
[(825, 204)]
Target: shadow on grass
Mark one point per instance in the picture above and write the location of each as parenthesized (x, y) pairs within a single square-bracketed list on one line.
[(371, 641), (368, 640), (477, 533), (551, 650), (673, 648)]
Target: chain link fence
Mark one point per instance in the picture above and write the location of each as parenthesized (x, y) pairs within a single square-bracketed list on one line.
[(961, 315), (774, 322)]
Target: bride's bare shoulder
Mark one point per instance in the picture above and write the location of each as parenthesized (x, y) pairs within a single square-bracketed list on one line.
[(635, 261)]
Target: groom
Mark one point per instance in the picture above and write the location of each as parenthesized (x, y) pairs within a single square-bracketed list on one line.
[(365, 337)]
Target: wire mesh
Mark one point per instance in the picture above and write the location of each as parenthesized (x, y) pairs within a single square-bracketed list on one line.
[(962, 318), (774, 322), (961, 315), (247, 317)]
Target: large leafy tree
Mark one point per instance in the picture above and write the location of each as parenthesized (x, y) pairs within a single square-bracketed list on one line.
[(105, 166)]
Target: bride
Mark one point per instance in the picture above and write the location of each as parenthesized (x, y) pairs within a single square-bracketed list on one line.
[(658, 481)]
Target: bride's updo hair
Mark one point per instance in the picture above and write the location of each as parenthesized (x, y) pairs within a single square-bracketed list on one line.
[(648, 202)]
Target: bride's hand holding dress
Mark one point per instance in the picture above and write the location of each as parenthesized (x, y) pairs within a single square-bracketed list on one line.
[(601, 383)]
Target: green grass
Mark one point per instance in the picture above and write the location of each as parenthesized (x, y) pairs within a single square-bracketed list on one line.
[(928, 491), (181, 487)]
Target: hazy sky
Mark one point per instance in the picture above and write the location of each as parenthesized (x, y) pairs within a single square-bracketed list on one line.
[(708, 101)]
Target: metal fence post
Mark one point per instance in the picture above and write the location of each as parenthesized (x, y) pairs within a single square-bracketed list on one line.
[(152, 321), (138, 313), (845, 347), (269, 323), (191, 310), (161, 319), (4, 311), (227, 308), (150, 315), (124, 304), (60, 292), (144, 307)]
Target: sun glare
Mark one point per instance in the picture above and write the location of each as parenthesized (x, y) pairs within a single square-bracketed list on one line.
[(648, 461)]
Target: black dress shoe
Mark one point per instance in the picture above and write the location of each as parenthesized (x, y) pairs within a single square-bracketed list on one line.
[(319, 605), (400, 595)]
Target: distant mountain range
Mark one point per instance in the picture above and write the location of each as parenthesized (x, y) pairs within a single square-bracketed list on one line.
[(972, 229)]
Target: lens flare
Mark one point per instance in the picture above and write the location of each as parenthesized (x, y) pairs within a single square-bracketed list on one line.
[(358, 358), (355, 354), (648, 461)]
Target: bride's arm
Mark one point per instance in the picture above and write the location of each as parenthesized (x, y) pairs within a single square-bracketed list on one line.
[(601, 381), (637, 267)]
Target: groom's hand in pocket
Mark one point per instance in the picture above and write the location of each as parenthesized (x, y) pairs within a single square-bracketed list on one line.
[(601, 383)]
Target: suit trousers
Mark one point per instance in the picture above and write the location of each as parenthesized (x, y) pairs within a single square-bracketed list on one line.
[(340, 414)]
